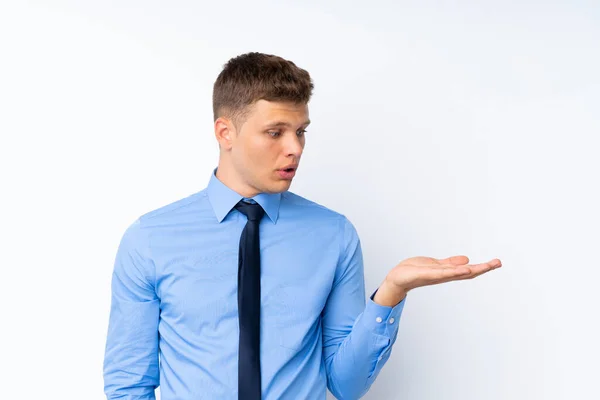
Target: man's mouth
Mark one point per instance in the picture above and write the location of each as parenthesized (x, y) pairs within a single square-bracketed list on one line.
[(287, 173)]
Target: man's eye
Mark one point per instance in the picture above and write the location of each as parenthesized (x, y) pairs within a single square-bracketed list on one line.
[(278, 133)]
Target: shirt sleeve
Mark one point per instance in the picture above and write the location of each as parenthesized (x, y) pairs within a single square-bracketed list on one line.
[(358, 335), (131, 355)]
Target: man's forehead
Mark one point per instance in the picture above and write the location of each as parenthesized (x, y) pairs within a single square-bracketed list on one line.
[(283, 124), (283, 114), (276, 106)]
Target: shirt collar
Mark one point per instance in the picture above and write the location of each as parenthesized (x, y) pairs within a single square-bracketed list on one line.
[(223, 199)]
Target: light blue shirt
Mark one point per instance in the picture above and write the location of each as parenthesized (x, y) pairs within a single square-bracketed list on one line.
[(174, 321)]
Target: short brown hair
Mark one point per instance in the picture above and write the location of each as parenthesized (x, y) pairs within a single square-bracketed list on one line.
[(253, 76)]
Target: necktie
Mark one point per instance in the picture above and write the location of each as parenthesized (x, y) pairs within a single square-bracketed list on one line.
[(249, 385)]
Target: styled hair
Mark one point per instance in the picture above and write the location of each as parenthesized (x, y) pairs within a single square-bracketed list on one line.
[(253, 76)]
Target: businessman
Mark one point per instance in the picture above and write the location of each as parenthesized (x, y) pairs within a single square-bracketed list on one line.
[(245, 290)]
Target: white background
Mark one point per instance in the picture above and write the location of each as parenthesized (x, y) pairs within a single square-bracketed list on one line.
[(439, 128)]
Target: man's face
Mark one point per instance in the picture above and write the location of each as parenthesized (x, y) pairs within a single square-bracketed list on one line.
[(271, 138)]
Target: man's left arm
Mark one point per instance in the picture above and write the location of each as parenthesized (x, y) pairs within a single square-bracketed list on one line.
[(358, 335), (357, 339)]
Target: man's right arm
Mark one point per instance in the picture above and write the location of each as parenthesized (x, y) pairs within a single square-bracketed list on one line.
[(131, 356)]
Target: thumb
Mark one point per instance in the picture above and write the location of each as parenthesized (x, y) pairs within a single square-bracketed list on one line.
[(455, 260)]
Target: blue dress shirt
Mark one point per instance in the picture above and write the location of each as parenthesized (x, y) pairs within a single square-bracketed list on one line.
[(173, 316)]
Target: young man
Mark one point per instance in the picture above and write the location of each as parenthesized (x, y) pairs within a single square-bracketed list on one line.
[(245, 289)]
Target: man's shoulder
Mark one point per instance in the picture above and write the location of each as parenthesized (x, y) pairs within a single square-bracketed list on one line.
[(320, 210), (323, 216), (178, 206)]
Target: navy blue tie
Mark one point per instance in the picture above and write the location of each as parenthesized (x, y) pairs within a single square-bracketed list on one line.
[(249, 385)]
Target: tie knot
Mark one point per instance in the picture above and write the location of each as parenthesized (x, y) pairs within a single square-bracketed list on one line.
[(253, 211)]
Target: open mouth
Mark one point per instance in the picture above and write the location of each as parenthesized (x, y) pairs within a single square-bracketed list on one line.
[(287, 173)]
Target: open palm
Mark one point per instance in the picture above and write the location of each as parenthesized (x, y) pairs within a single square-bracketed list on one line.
[(423, 271)]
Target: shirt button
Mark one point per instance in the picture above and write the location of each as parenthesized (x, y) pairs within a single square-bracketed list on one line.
[(378, 319), (392, 320)]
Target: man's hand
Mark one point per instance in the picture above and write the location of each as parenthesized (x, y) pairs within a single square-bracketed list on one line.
[(423, 271)]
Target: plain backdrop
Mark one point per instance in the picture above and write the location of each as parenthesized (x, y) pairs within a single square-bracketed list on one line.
[(439, 128)]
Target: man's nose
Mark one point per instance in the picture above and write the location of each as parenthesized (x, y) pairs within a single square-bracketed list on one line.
[(293, 145)]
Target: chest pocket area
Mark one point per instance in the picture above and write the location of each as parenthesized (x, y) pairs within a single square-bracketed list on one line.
[(294, 314), (297, 287)]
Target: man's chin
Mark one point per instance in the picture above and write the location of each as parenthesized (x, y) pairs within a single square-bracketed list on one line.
[(279, 187)]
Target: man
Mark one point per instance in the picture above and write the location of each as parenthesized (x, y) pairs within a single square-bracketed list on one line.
[(245, 289)]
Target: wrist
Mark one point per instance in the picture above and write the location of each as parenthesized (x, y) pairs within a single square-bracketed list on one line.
[(389, 294)]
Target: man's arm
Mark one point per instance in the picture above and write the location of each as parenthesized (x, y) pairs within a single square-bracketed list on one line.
[(131, 356), (357, 337)]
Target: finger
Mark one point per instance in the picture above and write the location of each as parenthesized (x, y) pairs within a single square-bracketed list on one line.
[(495, 263), (444, 272), (450, 270), (437, 274), (454, 260), (481, 269)]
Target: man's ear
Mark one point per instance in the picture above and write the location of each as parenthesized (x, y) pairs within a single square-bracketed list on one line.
[(224, 132)]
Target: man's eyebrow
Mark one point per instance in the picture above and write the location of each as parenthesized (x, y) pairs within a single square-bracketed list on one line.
[(282, 123)]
